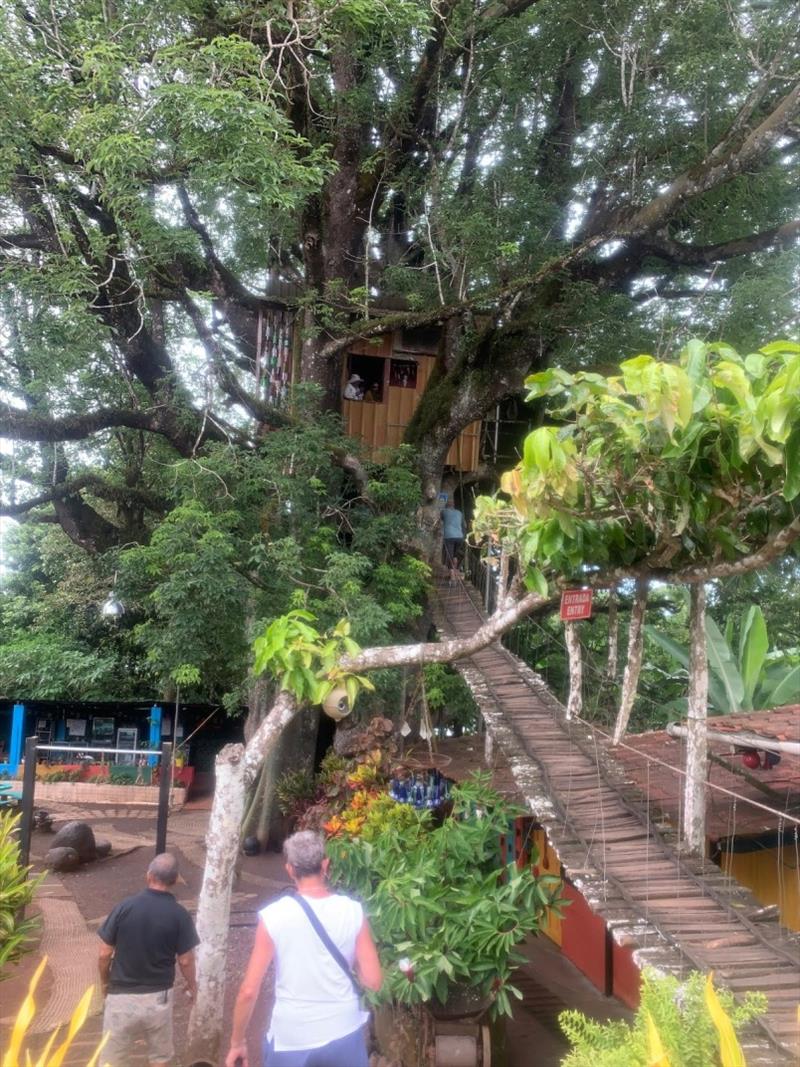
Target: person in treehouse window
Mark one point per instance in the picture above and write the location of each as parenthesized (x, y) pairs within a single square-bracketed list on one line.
[(354, 390)]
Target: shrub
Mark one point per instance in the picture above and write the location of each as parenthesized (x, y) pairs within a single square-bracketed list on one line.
[(295, 790), (441, 897), (16, 892), (57, 774), (678, 1024)]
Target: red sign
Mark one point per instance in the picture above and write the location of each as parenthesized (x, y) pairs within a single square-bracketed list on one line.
[(576, 604)]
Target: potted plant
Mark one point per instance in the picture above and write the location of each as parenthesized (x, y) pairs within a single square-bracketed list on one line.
[(446, 914)]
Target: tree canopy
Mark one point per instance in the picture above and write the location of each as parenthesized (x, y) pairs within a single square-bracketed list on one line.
[(550, 183)]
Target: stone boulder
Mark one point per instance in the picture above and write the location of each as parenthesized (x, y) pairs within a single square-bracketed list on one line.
[(62, 859), (79, 836), (102, 848)]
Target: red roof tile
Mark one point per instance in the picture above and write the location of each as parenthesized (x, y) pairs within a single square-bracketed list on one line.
[(644, 757)]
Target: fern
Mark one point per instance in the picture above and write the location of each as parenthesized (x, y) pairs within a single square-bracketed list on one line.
[(681, 1017)]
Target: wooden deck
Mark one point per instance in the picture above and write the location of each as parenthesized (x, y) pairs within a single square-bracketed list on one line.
[(676, 911)]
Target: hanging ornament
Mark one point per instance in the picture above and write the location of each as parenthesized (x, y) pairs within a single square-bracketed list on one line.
[(336, 705), (751, 759), (771, 759)]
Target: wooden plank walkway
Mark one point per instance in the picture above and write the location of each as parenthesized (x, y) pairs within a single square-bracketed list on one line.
[(676, 911)]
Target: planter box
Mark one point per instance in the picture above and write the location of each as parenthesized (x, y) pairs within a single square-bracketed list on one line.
[(89, 794)]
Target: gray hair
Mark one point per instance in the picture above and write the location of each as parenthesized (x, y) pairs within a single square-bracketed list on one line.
[(164, 869), (305, 851)]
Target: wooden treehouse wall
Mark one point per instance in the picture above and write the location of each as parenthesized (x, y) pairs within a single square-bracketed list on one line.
[(380, 422)]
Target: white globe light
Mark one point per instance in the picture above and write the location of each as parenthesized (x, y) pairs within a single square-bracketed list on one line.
[(112, 608)]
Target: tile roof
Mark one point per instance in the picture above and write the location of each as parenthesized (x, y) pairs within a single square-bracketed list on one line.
[(777, 787)]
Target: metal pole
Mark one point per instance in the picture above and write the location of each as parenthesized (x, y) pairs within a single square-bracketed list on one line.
[(28, 790), (164, 783)]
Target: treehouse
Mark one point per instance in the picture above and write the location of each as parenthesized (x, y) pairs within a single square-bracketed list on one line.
[(383, 382)]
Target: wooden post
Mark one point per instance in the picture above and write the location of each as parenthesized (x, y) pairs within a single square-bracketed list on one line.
[(613, 635), (694, 796), (575, 699), (28, 791), (633, 664), (164, 790)]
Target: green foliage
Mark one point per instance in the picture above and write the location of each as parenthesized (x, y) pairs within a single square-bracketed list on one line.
[(17, 887), (305, 662), (247, 538), (53, 641), (440, 897), (664, 463), (747, 681), (449, 697), (681, 1015), (294, 791)]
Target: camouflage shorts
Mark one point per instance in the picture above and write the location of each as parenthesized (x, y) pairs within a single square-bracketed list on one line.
[(129, 1016)]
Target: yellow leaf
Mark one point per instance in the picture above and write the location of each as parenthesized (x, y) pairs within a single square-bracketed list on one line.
[(46, 1050), (23, 1020), (730, 1050), (75, 1023), (98, 1050), (657, 1057)]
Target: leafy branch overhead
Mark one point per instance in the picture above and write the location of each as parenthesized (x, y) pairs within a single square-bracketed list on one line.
[(307, 663), (662, 466)]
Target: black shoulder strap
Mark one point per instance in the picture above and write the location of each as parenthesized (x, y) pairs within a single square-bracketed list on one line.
[(326, 941)]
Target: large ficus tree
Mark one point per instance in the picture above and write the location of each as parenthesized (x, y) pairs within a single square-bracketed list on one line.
[(522, 172)]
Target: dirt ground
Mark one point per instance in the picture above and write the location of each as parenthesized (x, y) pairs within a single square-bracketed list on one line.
[(96, 887), (73, 906)]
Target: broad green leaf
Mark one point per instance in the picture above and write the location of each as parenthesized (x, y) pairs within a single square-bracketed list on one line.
[(753, 647), (791, 486), (717, 695), (721, 662), (536, 582), (786, 690), (637, 373), (694, 359), (776, 347)]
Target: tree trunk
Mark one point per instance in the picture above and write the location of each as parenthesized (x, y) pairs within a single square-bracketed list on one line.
[(633, 666), (214, 904), (236, 768), (694, 798), (613, 636), (575, 699)]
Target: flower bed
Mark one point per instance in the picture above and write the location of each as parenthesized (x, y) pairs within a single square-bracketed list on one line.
[(101, 790)]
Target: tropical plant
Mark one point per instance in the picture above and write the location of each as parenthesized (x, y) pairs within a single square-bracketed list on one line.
[(294, 791), (678, 1024), (305, 662), (53, 1054), (664, 465), (742, 676), (16, 893), (440, 897)]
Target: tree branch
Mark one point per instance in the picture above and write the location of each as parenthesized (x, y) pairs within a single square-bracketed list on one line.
[(100, 488), (27, 426), (458, 648), (687, 255), (711, 172)]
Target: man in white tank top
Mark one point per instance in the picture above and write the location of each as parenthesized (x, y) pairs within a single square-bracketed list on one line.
[(317, 1019)]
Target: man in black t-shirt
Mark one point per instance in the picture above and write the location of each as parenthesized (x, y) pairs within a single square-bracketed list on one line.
[(142, 938)]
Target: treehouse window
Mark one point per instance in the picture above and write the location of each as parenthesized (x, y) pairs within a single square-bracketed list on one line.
[(364, 379), (403, 373)]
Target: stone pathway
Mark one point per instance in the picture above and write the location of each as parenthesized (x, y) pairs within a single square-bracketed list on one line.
[(72, 958)]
